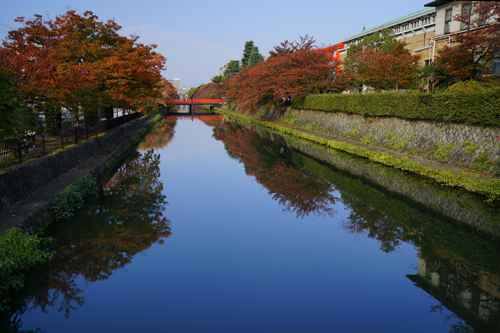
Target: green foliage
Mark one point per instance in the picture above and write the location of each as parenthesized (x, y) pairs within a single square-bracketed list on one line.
[(193, 91), (255, 57), (443, 152), (247, 52), (397, 142), (64, 204), (18, 251), (471, 147), (466, 87), (382, 40), (354, 131), (232, 69), (482, 108), (216, 79), (15, 116)]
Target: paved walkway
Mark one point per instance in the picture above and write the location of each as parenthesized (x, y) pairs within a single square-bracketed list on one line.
[(18, 214)]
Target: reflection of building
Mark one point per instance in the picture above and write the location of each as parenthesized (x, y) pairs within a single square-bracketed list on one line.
[(474, 297), (425, 32)]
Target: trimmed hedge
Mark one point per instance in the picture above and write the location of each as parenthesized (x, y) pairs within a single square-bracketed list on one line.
[(481, 108)]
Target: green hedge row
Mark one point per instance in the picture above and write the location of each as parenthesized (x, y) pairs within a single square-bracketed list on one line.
[(473, 108)]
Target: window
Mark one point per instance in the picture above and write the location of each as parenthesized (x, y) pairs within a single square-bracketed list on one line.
[(447, 21), (466, 13), (495, 67)]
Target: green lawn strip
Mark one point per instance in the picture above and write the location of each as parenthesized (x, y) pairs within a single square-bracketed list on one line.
[(489, 188)]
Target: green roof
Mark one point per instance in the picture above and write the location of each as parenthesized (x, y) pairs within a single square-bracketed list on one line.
[(381, 26)]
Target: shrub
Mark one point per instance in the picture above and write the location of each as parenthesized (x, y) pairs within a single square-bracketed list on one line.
[(19, 251), (63, 205)]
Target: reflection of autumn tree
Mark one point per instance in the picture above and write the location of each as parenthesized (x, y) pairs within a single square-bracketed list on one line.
[(292, 186), (373, 223), (132, 222), (162, 134)]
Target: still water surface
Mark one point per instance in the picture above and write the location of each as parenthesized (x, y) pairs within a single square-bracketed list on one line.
[(217, 229)]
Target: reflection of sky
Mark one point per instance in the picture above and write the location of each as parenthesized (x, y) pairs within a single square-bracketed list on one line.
[(236, 262), (196, 142)]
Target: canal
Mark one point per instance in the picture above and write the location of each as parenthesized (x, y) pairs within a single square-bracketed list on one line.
[(213, 226)]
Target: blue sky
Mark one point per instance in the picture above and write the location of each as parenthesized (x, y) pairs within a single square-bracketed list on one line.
[(198, 37)]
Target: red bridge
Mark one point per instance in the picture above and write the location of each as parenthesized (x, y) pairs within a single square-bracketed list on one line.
[(197, 101)]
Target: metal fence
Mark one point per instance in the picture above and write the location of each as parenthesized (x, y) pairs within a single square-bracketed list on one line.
[(14, 151)]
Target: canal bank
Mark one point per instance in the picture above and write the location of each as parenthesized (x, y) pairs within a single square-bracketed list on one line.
[(280, 119), (28, 192)]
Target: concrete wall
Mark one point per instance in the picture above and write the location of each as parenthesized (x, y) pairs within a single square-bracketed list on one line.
[(25, 180)]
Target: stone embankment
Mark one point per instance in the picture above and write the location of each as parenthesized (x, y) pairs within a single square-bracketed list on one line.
[(26, 191), (466, 146)]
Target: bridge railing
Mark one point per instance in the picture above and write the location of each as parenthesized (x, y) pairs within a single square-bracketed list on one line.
[(198, 101)]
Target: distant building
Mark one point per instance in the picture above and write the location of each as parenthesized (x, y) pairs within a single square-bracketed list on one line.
[(176, 83), (223, 68)]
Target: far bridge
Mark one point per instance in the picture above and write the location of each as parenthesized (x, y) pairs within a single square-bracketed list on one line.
[(198, 101)]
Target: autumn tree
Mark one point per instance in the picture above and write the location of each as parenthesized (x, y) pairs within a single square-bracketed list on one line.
[(474, 47), (206, 91), (78, 61), (167, 93), (481, 31), (15, 116), (382, 62), (455, 64), (294, 69)]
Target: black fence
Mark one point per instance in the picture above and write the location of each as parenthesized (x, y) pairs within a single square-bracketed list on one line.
[(14, 151)]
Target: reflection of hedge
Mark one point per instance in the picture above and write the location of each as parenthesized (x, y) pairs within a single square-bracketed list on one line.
[(472, 108), (486, 187), (423, 228)]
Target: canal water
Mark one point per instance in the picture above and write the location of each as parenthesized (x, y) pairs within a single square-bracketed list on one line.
[(211, 226)]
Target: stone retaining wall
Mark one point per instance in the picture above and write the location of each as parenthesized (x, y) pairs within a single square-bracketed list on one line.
[(444, 202), (462, 145), (25, 180)]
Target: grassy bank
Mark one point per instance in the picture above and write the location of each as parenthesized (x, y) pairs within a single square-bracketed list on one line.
[(489, 188)]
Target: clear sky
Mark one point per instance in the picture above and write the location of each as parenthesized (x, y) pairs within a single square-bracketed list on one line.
[(198, 37)]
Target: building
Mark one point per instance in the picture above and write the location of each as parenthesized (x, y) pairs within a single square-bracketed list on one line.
[(416, 29), (425, 32), (223, 68), (176, 83)]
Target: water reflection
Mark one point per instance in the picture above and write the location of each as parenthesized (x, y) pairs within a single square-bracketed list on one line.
[(126, 219), (161, 134), (293, 186), (458, 265)]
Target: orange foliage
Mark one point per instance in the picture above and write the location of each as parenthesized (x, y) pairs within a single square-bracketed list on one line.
[(293, 70), (78, 60)]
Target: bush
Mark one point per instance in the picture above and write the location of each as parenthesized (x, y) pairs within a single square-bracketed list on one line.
[(63, 205), (466, 87), (475, 107), (19, 251)]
